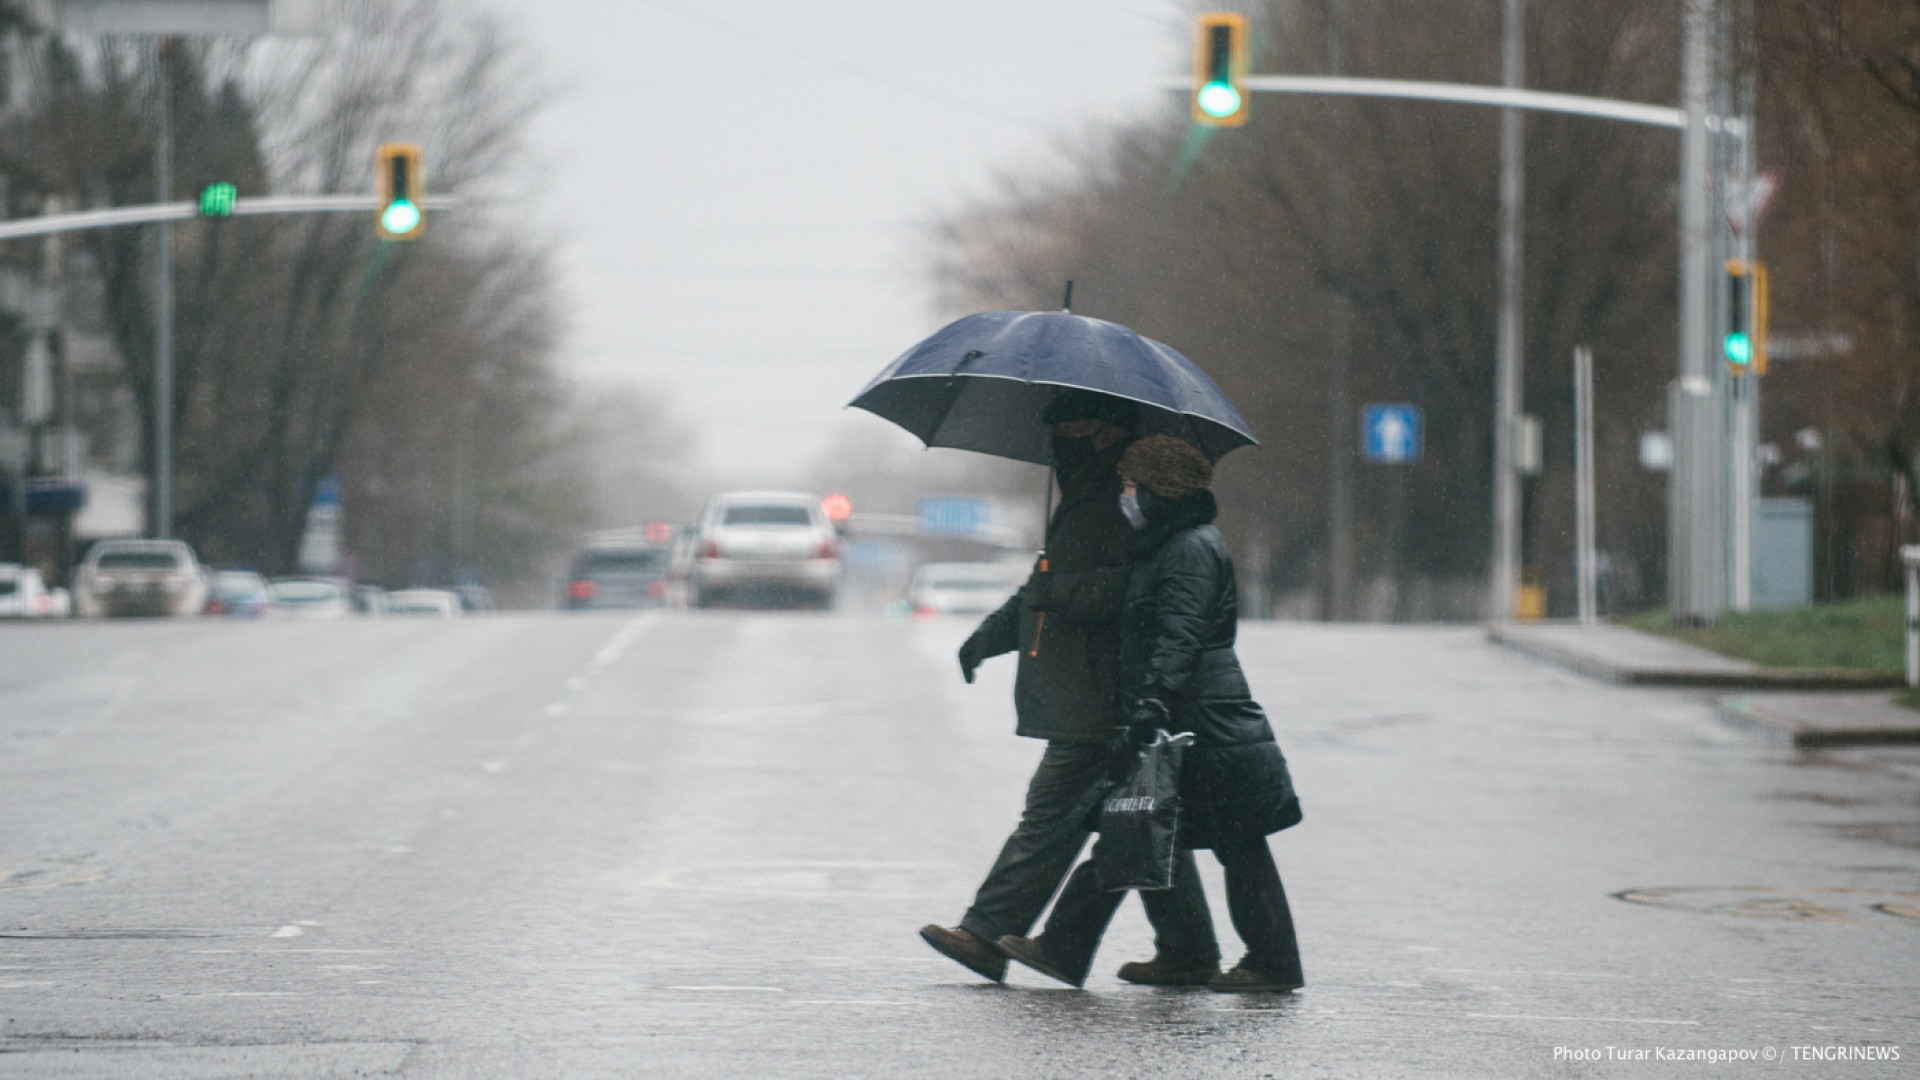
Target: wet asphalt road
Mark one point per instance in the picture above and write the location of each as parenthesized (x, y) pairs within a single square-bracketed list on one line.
[(699, 844)]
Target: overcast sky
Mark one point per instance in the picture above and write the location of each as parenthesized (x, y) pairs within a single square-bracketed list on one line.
[(740, 188)]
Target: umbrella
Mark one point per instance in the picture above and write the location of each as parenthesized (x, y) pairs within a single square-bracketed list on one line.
[(982, 382)]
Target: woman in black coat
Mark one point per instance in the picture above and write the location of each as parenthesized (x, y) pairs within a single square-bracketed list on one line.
[(1178, 671)]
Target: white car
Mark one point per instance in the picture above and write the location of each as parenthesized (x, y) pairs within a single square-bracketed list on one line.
[(140, 577), (959, 588), (311, 598), (766, 546), (24, 594), (437, 603)]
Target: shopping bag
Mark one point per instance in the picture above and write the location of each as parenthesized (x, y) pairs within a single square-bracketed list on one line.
[(1139, 816)]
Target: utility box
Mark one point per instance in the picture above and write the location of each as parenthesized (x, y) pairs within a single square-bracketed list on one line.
[(1783, 553)]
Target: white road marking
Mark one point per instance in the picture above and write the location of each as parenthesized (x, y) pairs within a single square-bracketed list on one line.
[(1582, 1019), (493, 766), (1522, 971), (22, 985), (746, 989), (576, 683), (621, 638), (287, 931), (558, 708)]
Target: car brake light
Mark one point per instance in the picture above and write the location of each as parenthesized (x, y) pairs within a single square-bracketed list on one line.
[(709, 548), (582, 590), (656, 589), (216, 606), (827, 550)]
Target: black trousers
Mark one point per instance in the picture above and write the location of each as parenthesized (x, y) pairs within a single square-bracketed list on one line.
[(1183, 926), (1044, 844), (1060, 798)]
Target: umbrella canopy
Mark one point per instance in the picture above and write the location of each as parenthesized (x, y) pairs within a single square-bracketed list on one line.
[(982, 381)]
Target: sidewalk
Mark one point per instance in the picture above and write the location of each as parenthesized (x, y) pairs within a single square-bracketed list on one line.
[(1808, 707), (1617, 654)]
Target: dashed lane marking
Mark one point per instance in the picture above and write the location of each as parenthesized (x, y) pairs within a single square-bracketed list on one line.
[(621, 638)]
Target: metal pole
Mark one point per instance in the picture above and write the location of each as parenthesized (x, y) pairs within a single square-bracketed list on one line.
[(1583, 492), (1743, 455), (1340, 413), (1911, 556), (1506, 482), (162, 525), (1692, 511)]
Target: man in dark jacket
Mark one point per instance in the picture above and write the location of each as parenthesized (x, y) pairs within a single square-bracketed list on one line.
[(1064, 624)]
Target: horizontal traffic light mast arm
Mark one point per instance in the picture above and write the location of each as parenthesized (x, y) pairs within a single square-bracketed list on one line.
[(181, 211), (1461, 93)]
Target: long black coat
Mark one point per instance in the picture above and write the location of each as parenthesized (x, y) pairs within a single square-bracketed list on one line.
[(1176, 644), (1064, 690)]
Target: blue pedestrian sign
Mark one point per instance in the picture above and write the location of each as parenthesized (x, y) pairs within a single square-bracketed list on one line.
[(1391, 434)]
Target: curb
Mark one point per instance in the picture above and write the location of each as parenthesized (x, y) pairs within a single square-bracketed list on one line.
[(1784, 728), (1758, 678)]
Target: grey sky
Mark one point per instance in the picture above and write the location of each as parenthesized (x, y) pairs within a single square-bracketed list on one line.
[(750, 246)]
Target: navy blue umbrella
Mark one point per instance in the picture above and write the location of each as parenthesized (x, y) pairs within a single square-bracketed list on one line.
[(982, 382)]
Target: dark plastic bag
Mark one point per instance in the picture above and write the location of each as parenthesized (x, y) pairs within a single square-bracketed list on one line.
[(1139, 817)]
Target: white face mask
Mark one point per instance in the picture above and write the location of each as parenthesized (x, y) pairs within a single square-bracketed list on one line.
[(1130, 506)]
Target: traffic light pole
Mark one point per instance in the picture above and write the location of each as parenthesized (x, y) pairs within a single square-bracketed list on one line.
[(164, 214)]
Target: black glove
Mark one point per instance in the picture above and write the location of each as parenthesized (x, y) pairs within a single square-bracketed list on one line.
[(1144, 717), (972, 651)]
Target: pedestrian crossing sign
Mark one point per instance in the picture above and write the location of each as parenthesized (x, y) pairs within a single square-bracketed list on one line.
[(1391, 434)]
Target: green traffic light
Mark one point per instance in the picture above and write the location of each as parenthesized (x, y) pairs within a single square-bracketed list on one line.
[(216, 200), (400, 217), (1219, 99), (1739, 349)]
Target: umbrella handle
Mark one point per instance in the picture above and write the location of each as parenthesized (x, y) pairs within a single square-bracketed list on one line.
[(1040, 622)]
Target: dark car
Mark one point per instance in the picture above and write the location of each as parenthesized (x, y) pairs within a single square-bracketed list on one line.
[(620, 573)]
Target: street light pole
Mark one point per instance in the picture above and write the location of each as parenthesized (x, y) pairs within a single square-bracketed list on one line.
[(1694, 515), (1509, 343)]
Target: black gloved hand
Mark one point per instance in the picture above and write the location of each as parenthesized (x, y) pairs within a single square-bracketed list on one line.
[(972, 651), (1144, 717)]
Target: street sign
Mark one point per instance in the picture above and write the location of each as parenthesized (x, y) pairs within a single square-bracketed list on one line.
[(1391, 434), (952, 515)]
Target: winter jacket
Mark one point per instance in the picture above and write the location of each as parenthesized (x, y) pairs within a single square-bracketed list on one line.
[(1065, 686), (1176, 645)]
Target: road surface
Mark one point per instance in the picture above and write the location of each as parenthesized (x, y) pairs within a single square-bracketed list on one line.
[(700, 844)]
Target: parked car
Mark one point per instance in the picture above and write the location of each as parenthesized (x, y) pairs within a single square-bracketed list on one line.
[(140, 577), (240, 593), (311, 598), (619, 568), (24, 593), (438, 603), (959, 588), (766, 546)]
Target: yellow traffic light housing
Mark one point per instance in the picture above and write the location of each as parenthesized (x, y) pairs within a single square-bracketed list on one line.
[(1745, 346), (402, 191), (1220, 69)]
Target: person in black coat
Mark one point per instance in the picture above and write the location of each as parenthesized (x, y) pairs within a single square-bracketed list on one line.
[(1178, 672)]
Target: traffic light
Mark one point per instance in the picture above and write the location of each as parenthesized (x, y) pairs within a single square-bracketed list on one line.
[(1220, 70), (216, 200), (1745, 346), (403, 192)]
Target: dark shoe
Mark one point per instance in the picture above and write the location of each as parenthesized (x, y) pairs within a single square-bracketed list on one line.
[(962, 947), (1034, 955), (1159, 972), (1244, 980)]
